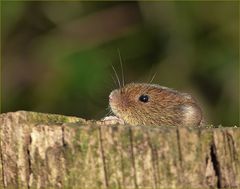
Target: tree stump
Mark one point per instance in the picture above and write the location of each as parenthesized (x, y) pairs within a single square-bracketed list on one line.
[(52, 151)]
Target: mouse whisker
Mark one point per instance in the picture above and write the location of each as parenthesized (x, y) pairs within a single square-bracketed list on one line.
[(145, 89), (114, 80), (154, 75), (119, 83), (121, 64), (109, 111)]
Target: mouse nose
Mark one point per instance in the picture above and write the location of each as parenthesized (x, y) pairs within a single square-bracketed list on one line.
[(112, 95)]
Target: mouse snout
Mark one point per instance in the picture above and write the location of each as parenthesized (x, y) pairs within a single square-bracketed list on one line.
[(114, 95)]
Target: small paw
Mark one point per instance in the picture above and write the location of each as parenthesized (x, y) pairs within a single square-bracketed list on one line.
[(111, 120)]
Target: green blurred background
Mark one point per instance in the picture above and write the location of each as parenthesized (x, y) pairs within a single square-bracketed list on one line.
[(57, 56)]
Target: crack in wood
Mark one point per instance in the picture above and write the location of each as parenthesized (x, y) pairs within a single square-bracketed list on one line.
[(63, 137), (153, 160), (179, 153), (103, 158), (122, 169), (233, 156), (155, 152), (133, 158), (1, 156), (216, 164), (29, 161), (232, 147)]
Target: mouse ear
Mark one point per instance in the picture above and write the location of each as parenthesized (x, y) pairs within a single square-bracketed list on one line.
[(192, 114)]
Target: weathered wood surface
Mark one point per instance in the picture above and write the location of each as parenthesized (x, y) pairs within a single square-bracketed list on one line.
[(52, 151)]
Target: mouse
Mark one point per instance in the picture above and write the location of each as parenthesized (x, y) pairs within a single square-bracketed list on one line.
[(153, 105)]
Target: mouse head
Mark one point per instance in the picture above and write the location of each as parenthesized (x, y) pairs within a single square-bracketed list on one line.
[(150, 104)]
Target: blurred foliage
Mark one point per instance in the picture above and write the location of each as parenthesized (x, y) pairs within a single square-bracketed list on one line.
[(57, 56)]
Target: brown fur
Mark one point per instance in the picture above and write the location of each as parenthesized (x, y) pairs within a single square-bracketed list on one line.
[(165, 106)]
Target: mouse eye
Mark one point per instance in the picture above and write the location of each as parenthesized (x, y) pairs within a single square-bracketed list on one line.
[(144, 98)]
